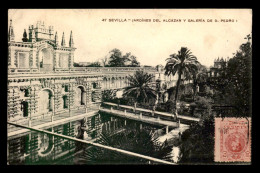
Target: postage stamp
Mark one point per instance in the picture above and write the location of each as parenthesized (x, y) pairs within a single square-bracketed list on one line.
[(232, 140)]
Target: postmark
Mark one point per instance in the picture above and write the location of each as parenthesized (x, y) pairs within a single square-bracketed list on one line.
[(232, 140)]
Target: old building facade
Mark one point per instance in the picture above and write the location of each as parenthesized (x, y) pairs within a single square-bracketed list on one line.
[(43, 82)]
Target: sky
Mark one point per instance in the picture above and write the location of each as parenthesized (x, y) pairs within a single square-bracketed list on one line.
[(95, 34)]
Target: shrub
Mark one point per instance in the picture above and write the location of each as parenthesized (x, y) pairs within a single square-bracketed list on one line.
[(197, 143), (203, 103), (182, 108)]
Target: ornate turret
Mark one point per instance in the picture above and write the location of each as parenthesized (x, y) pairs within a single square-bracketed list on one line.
[(63, 40), (42, 32), (51, 32), (33, 36), (71, 43), (56, 39), (25, 39), (11, 32)]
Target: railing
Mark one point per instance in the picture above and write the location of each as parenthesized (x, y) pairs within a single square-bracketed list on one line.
[(149, 113), (94, 106), (82, 70), (145, 112), (50, 117)]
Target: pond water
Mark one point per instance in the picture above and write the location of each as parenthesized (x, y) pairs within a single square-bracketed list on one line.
[(35, 148)]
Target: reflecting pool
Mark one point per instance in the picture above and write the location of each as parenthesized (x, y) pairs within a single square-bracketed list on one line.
[(34, 148)]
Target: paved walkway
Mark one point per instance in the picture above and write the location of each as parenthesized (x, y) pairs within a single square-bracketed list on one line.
[(46, 121), (181, 117), (137, 117)]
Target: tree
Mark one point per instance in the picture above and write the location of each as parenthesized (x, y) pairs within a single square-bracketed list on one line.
[(109, 95), (104, 61), (94, 64), (199, 77), (133, 61), (197, 143), (140, 87), (75, 64), (239, 77), (131, 139), (116, 59), (233, 86), (184, 64)]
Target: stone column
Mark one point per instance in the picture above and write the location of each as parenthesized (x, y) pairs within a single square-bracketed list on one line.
[(34, 58), (84, 97), (30, 122), (118, 83), (56, 59), (12, 56), (52, 107), (71, 59)]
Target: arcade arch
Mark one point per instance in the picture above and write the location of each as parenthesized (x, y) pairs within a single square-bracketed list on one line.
[(46, 101), (46, 59), (80, 96)]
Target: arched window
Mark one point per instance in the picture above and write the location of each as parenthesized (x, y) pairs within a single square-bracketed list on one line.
[(65, 102), (66, 88), (80, 97), (25, 108), (113, 82), (93, 96), (94, 85), (45, 102), (46, 59)]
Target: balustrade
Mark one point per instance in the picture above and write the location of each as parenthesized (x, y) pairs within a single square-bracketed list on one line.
[(83, 70)]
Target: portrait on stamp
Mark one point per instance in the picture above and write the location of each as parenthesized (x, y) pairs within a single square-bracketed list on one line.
[(232, 140)]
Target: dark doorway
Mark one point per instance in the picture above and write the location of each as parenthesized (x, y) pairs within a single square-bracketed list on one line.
[(25, 108)]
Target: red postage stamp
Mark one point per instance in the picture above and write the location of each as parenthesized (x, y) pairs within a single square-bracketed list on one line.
[(232, 140)]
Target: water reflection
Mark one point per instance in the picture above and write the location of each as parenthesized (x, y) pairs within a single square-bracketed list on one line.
[(37, 148)]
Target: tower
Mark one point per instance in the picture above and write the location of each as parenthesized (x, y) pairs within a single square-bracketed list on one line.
[(11, 32), (63, 43), (51, 32), (33, 36), (56, 39), (43, 32), (71, 43)]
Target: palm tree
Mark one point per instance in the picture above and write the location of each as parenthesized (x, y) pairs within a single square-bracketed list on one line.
[(140, 87), (134, 140), (184, 64)]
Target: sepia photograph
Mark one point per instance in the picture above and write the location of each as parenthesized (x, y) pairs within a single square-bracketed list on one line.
[(129, 87)]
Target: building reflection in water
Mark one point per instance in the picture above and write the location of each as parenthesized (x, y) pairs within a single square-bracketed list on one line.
[(39, 148)]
